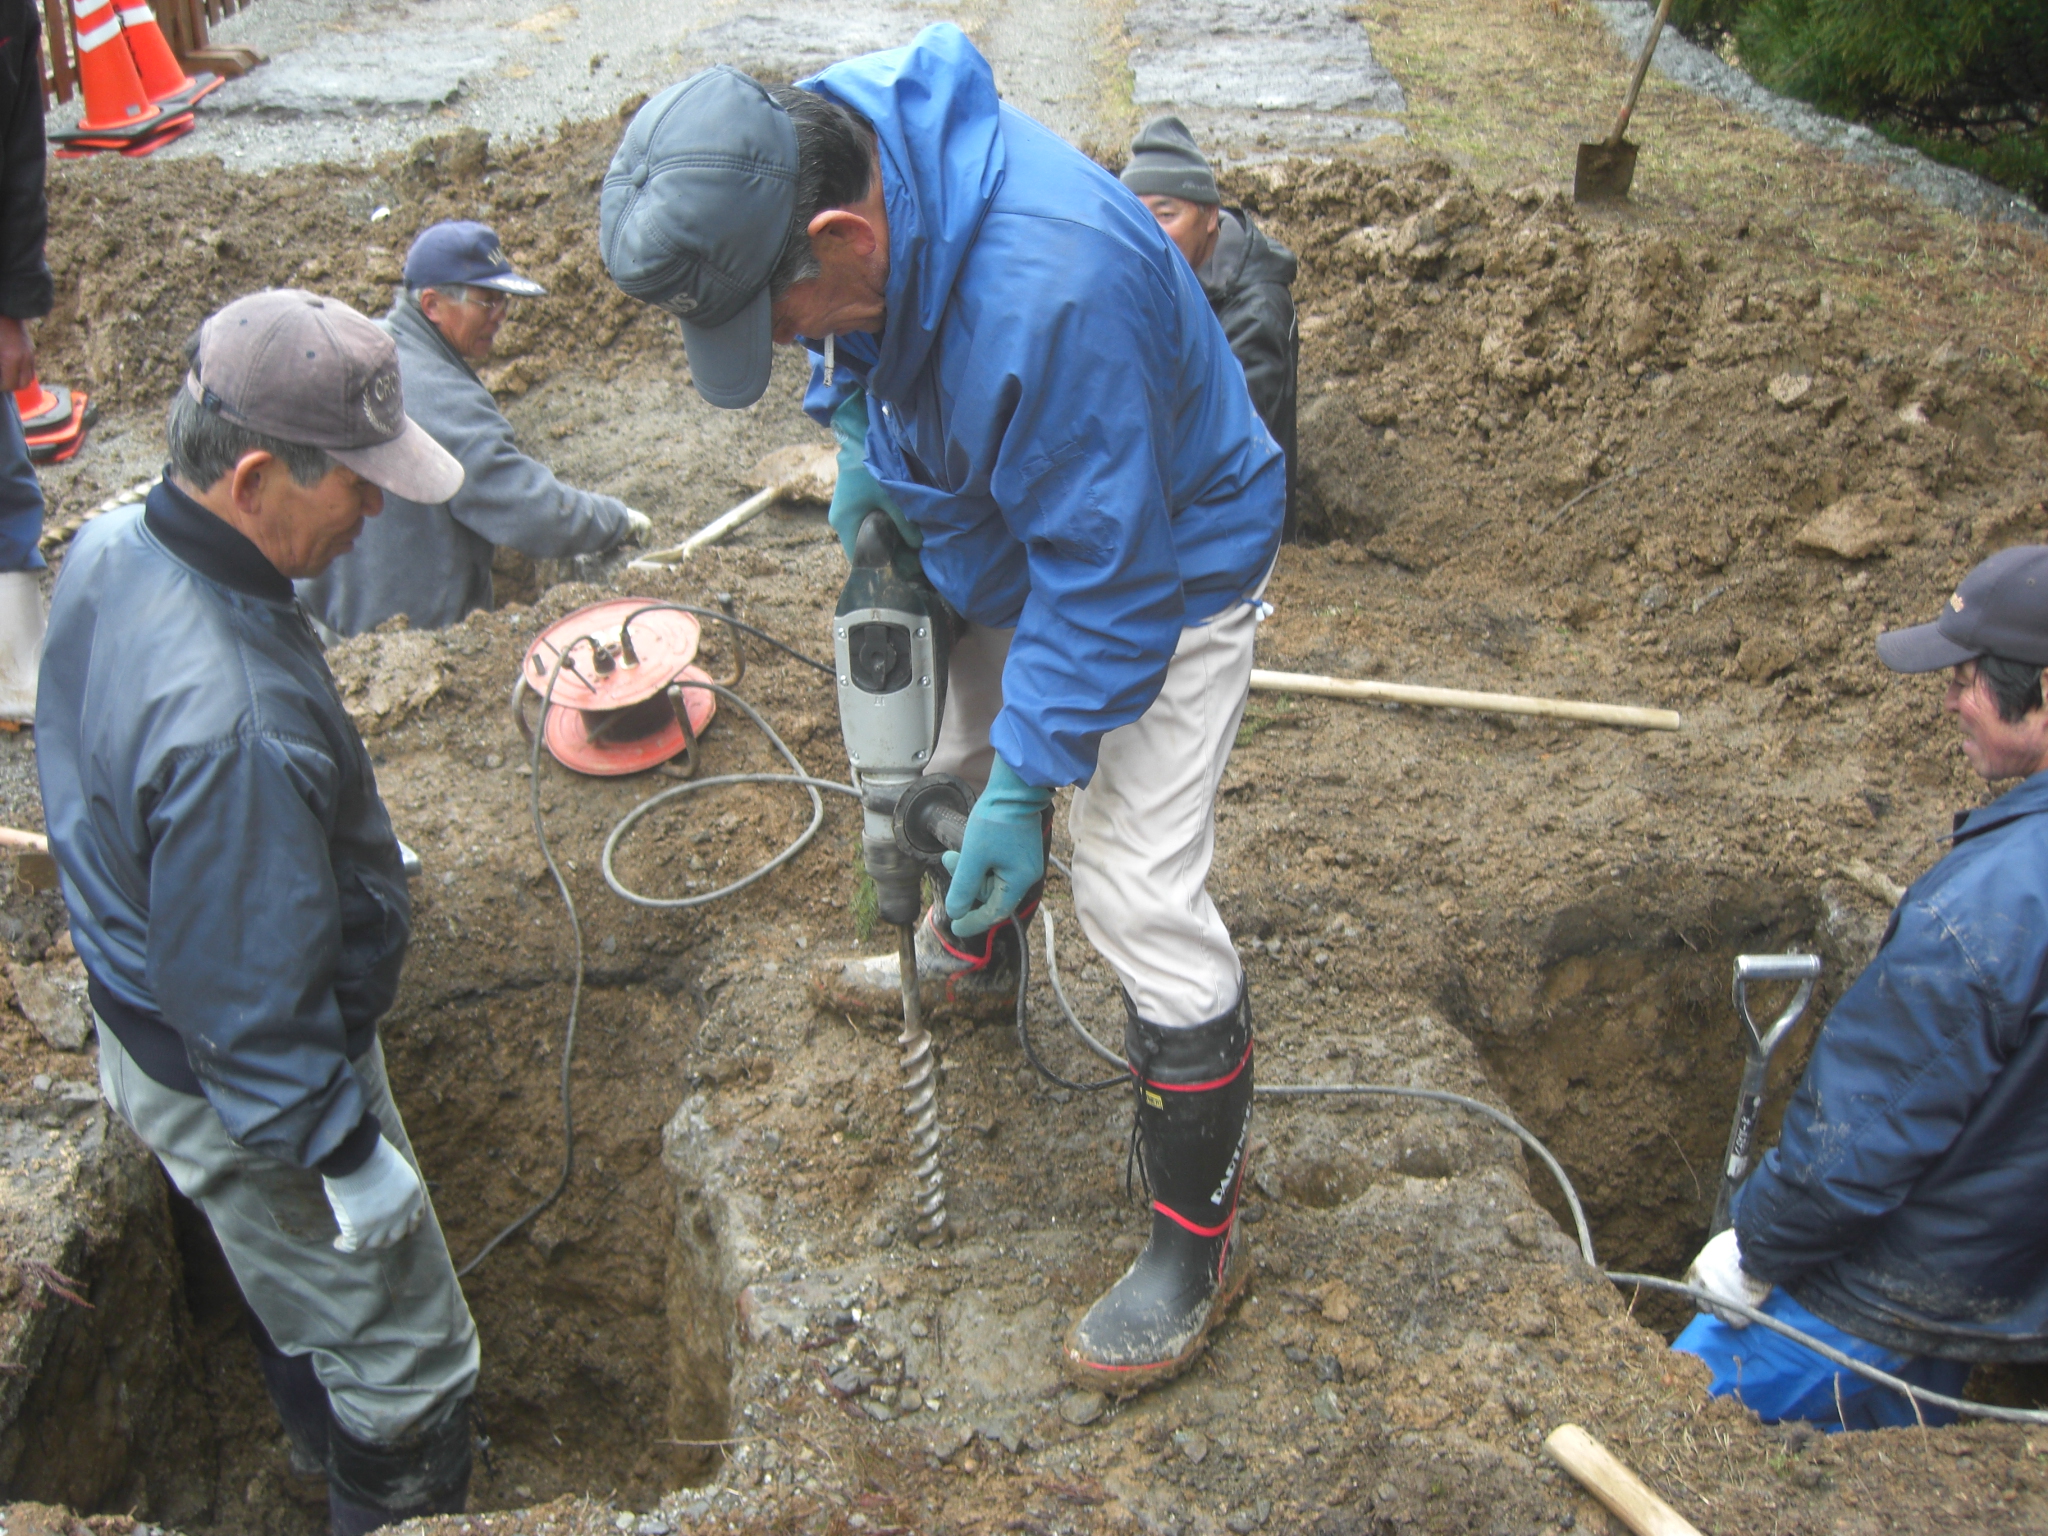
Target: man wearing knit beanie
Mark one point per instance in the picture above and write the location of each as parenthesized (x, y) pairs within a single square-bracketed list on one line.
[(1245, 275)]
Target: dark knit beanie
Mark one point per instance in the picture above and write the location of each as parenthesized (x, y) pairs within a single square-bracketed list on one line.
[(1165, 162)]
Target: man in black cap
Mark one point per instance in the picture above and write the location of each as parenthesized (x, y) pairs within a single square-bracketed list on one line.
[(1045, 401), (1899, 1216), (432, 562), (1247, 275), (236, 893)]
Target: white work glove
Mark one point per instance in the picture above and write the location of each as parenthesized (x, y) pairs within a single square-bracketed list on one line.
[(379, 1204), (1718, 1271), (638, 526)]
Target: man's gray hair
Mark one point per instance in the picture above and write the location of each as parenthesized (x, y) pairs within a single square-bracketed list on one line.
[(835, 166), (205, 446)]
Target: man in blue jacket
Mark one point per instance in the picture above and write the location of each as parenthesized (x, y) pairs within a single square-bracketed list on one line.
[(1899, 1218), (235, 889), (1053, 413)]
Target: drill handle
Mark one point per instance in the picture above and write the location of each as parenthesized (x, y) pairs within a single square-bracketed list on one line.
[(946, 827), (875, 545), (931, 816)]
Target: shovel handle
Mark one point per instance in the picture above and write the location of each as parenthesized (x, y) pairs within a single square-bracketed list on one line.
[(1735, 1166), (711, 532), (1804, 969), (1749, 1101), (1635, 85)]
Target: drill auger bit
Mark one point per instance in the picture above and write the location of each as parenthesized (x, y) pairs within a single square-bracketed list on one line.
[(920, 1095)]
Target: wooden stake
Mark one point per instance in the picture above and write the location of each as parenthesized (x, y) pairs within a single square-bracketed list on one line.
[(802, 473), (1458, 698), (1614, 1485)]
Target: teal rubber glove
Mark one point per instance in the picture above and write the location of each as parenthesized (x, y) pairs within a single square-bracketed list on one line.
[(857, 493), (1002, 853)]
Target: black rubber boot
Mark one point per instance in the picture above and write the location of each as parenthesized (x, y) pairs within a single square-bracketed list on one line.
[(370, 1486), (1194, 1115)]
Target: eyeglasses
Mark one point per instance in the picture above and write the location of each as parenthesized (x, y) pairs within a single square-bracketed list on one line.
[(489, 300)]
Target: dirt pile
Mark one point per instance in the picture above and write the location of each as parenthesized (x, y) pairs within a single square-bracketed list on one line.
[(1538, 350), (145, 254)]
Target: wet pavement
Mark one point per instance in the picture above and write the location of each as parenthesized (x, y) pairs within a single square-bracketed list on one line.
[(352, 81), (1261, 78)]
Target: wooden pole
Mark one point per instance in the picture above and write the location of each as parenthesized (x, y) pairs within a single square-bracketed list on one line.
[(1614, 1485), (14, 837), (1458, 698), (711, 532)]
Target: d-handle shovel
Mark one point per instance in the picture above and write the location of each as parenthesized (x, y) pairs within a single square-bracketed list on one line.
[(1606, 169), (1749, 1103)]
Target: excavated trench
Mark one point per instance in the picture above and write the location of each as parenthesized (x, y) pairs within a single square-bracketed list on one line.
[(1623, 1053), (607, 1324), (599, 1354), (604, 1326)]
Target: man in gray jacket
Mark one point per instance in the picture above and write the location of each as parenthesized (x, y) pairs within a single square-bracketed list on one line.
[(432, 561), (1247, 276), (235, 889)]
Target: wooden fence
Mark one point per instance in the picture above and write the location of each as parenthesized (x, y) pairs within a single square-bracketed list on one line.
[(184, 24)]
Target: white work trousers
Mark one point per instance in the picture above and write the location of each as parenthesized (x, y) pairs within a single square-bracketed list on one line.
[(1144, 827), (388, 1330)]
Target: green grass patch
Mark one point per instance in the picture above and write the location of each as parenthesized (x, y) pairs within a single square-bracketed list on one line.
[(1257, 722)]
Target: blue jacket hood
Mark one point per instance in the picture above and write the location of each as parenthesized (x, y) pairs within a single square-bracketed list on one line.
[(935, 111), (1055, 406)]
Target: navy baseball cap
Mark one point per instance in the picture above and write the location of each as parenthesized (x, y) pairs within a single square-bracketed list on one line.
[(2000, 609), (464, 251), (695, 211)]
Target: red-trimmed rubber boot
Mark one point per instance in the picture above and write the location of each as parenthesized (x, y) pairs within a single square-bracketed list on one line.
[(1194, 1116)]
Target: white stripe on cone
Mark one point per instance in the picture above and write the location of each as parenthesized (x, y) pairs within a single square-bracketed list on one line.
[(99, 36)]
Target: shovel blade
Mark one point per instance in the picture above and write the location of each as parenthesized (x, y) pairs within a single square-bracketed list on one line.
[(1604, 173)]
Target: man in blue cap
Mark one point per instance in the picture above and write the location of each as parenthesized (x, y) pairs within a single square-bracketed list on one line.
[(433, 563), (1898, 1219), (1033, 384)]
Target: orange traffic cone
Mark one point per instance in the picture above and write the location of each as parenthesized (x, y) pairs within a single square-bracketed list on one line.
[(116, 107), (41, 407), (163, 78), (53, 420)]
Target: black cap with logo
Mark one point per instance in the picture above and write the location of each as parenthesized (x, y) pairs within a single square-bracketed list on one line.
[(2000, 609)]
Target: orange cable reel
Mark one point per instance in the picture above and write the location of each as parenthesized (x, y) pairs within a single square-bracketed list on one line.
[(618, 672)]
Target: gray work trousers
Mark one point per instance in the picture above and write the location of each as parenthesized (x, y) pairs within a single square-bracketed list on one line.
[(1144, 827), (389, 1333)]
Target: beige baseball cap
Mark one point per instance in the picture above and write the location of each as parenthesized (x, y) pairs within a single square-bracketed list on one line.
[(306, 369)]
